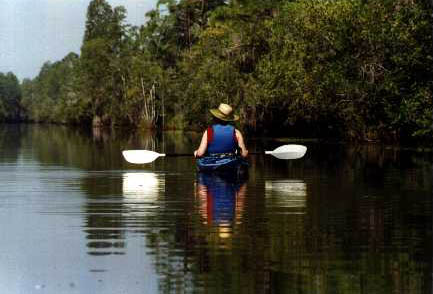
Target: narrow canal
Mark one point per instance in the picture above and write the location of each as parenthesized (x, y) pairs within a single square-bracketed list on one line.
[(76, 218)]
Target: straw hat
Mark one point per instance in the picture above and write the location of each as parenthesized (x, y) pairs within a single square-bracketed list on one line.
[(224, 112)]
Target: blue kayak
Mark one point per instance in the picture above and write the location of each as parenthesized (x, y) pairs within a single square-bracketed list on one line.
[(221, 164)]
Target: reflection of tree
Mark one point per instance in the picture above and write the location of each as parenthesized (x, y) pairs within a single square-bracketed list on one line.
[(63, 146), (361, 247), (116, 205), (364, 225), (360, 227), (286, 201), (97, 149), (170, 237), (10, 141), (104, 214)]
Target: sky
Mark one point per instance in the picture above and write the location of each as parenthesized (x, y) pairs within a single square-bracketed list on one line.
[(35, 31)]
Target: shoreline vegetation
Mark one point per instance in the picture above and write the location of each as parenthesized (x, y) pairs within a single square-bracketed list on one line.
[(352, 70)]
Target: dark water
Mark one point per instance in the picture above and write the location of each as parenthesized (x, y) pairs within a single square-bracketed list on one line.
[(76, 218)]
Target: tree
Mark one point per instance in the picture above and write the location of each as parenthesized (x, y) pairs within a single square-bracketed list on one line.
[(359, 69), (10, 97), (102, 45), (52, 95), (99, 20)]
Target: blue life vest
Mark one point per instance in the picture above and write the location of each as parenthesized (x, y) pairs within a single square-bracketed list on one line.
[(221, 139)]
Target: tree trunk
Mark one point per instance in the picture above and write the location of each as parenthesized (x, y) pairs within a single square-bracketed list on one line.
[(97, 121)]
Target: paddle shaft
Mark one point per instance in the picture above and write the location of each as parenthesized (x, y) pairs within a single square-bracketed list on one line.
[(190, 154), (146, 156), (178, 154)]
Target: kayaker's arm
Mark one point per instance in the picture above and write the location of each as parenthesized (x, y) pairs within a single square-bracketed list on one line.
[(203, 146), (241, 143)]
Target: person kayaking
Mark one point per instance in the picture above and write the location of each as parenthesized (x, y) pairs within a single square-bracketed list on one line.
[(222, 137)]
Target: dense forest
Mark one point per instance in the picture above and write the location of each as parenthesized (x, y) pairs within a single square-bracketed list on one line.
[(352, 69)]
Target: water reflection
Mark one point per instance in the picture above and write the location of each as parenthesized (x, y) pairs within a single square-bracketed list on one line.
[(112, 213), (221, 202), (342, 220), (104, 220), (142, 188), (10, 143), (287, 194)]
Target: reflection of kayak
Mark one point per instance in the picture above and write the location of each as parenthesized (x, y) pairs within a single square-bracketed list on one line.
[(227, 165)]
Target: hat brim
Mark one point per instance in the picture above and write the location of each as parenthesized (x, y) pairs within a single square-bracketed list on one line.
[(218, 114)]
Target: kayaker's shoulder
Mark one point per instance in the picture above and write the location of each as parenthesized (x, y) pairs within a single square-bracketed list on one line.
[(238, 133)]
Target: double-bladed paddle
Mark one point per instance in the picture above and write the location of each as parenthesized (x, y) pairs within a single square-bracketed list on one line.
[(146, 156)]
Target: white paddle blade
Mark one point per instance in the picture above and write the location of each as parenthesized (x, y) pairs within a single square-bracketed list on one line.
[(140, 156), (288, 152)]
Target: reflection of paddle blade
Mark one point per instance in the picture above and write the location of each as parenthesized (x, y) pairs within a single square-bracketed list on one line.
[(142, 187), (140, 156), (288, 151), (287, 193)]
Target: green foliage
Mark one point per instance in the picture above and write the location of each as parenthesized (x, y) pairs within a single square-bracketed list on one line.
[(99, 20), (10, 96), (346, 67), (221, 65), (53, 95), (103, 42), (357, 69)]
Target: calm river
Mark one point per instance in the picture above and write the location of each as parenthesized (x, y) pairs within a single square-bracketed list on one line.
[(76, 218)]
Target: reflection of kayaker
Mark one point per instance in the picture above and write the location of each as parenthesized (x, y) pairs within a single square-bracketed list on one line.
[(221, 200), (222, 145)]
